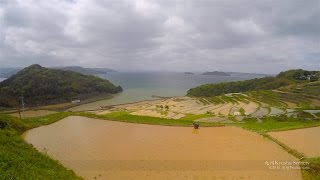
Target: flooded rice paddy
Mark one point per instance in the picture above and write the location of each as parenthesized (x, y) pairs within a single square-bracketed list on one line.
[(101, 149), (305, 140)]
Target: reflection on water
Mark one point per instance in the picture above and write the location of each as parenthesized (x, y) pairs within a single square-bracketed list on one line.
[(195, 131)]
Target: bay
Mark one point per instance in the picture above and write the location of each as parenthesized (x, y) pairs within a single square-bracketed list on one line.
[(139, 86)]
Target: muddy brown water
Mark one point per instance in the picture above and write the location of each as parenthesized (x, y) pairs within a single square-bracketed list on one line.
[(101, 149), (303, 140)]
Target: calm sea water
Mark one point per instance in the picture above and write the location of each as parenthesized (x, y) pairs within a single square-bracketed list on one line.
[(142, 86)]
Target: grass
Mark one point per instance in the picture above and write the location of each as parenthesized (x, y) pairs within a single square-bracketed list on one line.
[(241, 98), (313, 173), (192, 117), (311, 89), (268, 123), (32, 113), (268, 97), (303, 114), (40, 121), (299, 99), (215, 100), (242, 111), (228, 99), (19, 160), (277, 124), (124, 116), (204, 101)]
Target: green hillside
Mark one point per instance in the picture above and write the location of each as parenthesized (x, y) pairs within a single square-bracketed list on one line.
[(305, 80), (39, 85)]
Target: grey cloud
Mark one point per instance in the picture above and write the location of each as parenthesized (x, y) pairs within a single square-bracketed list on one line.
[(249, 36)]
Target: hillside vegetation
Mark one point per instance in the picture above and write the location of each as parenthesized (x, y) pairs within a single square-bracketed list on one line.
[(39, 85), (291, 78)]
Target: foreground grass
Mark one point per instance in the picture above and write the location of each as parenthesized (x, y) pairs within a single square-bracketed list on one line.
[(314, 172), (19, 160), (44, 120)]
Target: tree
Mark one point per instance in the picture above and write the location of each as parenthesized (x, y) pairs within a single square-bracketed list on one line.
[(313, 78)]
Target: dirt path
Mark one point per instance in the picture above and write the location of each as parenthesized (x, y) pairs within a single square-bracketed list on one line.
[(115, 150)]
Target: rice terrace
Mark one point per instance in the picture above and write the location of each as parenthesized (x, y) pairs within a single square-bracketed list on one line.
[(159, 90), (243, 134)]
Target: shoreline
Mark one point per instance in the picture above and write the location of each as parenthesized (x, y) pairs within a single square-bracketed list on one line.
[(60, 107), (154, 98)]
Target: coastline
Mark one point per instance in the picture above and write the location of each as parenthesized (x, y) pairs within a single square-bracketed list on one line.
[(60, 107)]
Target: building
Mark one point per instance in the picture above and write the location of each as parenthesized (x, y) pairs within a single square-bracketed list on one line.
[(236, 113), (75, 101)]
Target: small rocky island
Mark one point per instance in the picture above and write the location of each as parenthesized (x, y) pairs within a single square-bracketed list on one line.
[(191, 73), (216, 73)]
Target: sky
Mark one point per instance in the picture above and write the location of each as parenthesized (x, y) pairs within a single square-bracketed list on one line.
[(262, 36)]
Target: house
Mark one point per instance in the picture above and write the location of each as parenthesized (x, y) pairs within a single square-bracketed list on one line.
[(236, 113), (75, 101)]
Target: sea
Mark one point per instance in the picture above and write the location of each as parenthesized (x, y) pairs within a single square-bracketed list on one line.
[(139, 86)]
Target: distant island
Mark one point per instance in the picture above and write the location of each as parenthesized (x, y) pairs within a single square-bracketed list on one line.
[(39, 85), (88, 71), (216, 73), (189, 73)]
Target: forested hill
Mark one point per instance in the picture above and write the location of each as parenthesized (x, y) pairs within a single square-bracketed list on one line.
[(41, 85), (284, 79)]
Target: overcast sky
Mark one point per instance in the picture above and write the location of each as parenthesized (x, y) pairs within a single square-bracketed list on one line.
[(184, 35)]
